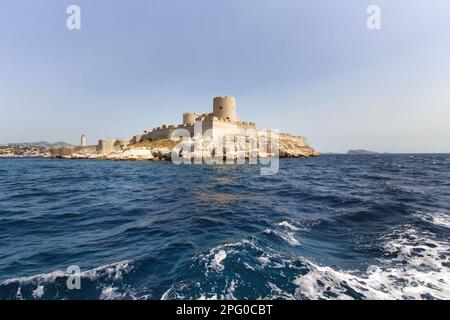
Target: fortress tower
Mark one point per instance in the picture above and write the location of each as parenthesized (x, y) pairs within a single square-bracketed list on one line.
[(225, 108), (189, 117)]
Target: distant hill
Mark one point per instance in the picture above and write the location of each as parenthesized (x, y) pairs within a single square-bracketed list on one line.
[(39, 144), (361, 151)]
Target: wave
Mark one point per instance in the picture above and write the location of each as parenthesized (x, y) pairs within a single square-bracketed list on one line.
[(419, 270), (286, 236), (288, 225), (437, 218), (415, 267), (102, 282)]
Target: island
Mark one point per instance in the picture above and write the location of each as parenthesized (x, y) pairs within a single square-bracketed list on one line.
[(211, 131)]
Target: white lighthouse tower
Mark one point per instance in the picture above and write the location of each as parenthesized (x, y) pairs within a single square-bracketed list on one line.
[(83, 140)]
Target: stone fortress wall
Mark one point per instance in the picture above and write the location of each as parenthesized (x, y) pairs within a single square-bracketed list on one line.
[(63, 151), (222, 119), (110, 146)]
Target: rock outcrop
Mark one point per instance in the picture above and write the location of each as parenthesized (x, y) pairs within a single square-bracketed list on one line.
[(294, 147), (132, 154)]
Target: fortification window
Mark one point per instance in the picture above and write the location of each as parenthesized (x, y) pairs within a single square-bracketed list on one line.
[(220, 107)]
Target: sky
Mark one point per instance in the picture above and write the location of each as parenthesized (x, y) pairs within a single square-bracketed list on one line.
[(310, 68)]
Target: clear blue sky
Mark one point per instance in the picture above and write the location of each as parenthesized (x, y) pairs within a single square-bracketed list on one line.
[(306, 67)]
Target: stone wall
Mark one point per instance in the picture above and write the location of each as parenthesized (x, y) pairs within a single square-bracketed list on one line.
[(208, 121), (121, 144), (106, 146), (110, 146), (66, 151)]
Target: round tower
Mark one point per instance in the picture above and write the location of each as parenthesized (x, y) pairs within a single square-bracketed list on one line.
[(189, 117), (83, 140), (225, 108)]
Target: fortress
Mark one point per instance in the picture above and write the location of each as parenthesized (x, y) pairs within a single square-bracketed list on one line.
[(222, 120)]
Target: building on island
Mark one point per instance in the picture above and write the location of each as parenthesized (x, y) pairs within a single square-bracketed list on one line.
[(222, 118), (222, 121)]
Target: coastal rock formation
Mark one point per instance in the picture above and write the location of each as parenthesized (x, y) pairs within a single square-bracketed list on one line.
[(294, 147), (132, 154)]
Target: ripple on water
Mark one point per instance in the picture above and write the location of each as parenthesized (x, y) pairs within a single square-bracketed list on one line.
[(334, 227)]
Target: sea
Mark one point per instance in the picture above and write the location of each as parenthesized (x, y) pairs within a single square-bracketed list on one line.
[(332, 227)]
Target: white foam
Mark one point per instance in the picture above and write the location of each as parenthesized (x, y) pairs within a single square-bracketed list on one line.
[(288, 225), (215, 257), (19, 293), (116, 269), (438, 218), (113, 271), (264, 259), (40, 278), (415, 267), (109, 293), (277, 293), (231, 288), (166, 294), (419, 271), (217, 261), (204, 297), (286, 236), (38, 292), (289, 237)]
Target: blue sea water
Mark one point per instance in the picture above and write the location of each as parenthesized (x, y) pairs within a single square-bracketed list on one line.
[(333, 227)]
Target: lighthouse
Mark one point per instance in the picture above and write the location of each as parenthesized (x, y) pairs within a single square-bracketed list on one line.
[(83, 140)]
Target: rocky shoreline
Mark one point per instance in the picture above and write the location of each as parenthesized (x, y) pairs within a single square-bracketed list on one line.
[(160, 150), (24, 151), (289, 147)]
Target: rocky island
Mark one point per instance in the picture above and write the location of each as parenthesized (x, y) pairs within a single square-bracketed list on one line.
[(201, 135)]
